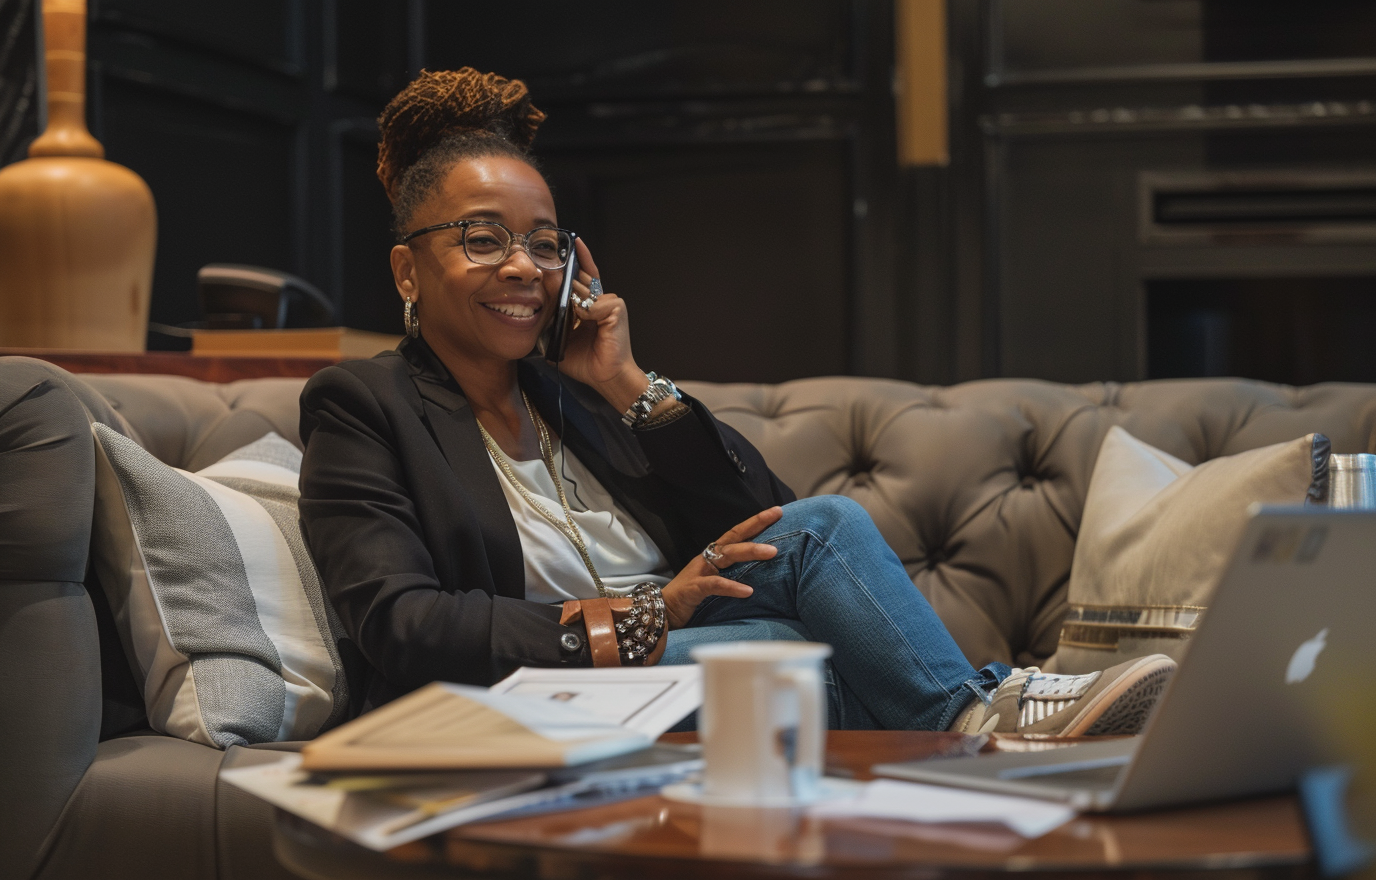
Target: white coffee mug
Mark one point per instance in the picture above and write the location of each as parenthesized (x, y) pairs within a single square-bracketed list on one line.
[(762, 722)]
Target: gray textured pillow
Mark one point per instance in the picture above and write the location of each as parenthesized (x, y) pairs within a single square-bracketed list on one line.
[(1155, 536), (217, 600)]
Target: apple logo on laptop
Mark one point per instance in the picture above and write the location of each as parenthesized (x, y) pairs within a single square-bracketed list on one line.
[(1302, 663)]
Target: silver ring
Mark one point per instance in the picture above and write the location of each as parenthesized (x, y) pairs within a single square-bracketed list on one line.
[(713, 555), (594, 290)]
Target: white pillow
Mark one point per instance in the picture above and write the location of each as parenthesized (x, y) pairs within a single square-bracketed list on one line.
[(1155, 536), (215, 596)]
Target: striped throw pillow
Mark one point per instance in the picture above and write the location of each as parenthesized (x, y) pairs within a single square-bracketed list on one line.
[(217, 601)]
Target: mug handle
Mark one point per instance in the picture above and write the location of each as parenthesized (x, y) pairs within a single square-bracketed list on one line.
[(807, 684)]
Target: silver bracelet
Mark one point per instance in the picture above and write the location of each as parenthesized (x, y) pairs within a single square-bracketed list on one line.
[(659, 389), (639, 632)]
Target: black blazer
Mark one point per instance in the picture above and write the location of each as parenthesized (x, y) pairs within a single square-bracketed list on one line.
[(407, 522)]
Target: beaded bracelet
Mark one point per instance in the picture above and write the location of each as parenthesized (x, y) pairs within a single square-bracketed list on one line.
[(639, 632)]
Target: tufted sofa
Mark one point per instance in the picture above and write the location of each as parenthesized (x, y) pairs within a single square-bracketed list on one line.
[(978, 487)]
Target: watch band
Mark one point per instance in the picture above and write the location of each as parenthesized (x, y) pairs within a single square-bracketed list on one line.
[(659, 389)]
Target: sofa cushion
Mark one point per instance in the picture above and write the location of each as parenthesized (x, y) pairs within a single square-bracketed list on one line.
[(153, 807), (979, 487), (50, 663), (216, 599), (190, 424), (1156, 536)]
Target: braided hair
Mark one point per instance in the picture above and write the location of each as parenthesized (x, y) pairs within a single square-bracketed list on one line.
[(442, 117)]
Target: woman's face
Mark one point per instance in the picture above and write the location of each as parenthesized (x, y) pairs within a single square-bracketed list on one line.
[(481, 312)]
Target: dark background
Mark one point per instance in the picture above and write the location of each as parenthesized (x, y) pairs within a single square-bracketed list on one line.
[(1138, 188)]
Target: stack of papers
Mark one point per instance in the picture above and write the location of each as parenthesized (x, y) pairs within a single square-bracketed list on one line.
[(457, 727), (383, 812), (449, 754), (915, 802)]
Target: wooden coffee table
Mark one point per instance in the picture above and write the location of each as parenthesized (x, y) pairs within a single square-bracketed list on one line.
[(648, 838)]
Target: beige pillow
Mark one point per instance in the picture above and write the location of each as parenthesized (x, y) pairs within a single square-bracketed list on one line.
[(1155, 536)]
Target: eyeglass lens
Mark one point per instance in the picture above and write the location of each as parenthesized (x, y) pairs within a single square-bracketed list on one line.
[(490, 243)]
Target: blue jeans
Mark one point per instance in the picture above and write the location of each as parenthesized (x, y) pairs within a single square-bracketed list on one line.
[(894, 666)]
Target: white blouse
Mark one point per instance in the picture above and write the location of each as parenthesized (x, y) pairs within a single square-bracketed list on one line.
[(620, 549)]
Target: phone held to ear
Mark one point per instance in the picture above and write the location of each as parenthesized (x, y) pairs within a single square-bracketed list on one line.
[(555, 337)]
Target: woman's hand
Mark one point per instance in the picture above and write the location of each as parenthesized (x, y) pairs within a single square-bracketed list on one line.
[(599, 346), (700, 578)]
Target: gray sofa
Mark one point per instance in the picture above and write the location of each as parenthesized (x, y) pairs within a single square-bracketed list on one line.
[(978, 487)]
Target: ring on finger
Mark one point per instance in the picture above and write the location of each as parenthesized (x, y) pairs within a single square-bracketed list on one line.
[(713, 556), (594, 291)]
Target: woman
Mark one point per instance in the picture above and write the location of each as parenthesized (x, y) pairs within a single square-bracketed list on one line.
[(471, 508)]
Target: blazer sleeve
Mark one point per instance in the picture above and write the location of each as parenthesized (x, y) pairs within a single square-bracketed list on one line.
[(361, 524), (719, 477)]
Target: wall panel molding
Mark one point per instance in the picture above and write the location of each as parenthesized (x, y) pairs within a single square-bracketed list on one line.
[(22, 112)]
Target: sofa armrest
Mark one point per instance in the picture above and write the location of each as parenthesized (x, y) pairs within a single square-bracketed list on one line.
[(50, 685)]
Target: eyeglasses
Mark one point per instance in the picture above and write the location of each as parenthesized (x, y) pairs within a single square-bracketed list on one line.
[(489, 243)]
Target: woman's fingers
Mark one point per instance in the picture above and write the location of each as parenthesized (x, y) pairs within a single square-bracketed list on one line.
[(685, 593), (715, 585), (585, 260), (579, 295), (751, 527), (743, 552)]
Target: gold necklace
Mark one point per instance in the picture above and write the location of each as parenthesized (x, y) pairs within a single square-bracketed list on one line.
[(568, 528)]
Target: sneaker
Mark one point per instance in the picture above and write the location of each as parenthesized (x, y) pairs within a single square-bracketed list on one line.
[(1114, 701)]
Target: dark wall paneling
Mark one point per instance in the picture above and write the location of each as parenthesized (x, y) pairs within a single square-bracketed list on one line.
[(1299, 330), (1067, 233), (238, 117), (1075, 255), (370, 48), (1042, 40), (267, 33), (728, 270), (619, 48), (21, 75), (1276, 30), (222, 179), (731, 164), (1077, 109), (207, 106), (369, 297)]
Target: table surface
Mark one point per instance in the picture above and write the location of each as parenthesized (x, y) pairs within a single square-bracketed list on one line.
[(650, 837)]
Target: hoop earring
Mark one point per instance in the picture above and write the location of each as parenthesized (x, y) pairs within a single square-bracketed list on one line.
[(410, 317)]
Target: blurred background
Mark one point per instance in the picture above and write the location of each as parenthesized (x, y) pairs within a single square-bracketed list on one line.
[(1073, 190)]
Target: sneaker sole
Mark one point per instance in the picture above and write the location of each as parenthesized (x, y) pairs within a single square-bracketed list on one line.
[(1124, 708)]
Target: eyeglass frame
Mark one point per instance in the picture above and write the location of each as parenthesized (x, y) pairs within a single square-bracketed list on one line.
[(514, 237)]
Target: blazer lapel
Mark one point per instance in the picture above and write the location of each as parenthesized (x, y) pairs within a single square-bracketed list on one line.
[(594, 433), (455, 429)]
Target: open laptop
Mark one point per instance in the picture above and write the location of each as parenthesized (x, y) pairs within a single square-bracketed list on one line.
[(1259, 698)]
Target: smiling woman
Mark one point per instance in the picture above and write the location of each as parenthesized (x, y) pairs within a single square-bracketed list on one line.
[(473, 508)]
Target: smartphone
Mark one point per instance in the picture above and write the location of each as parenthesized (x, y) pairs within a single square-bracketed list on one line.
[(555, 337)]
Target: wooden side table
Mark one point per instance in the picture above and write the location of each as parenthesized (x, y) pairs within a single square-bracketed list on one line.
[(649, 837)]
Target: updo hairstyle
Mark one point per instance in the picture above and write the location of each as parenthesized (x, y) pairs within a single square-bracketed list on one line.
[(443, 117)]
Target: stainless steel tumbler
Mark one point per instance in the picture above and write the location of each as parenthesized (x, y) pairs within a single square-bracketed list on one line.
[(1352, 481)]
